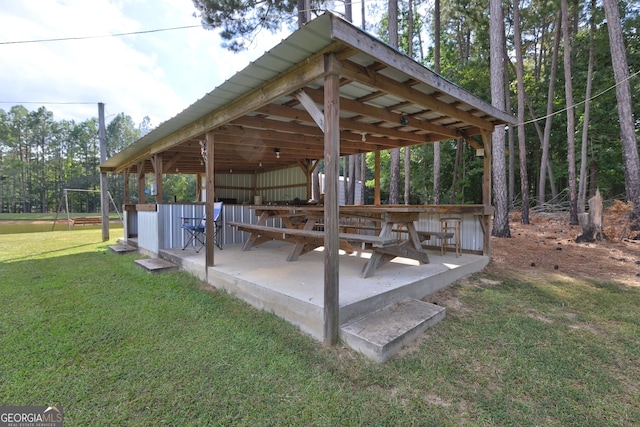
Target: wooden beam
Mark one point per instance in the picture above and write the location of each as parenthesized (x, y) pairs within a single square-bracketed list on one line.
[(368, 44), (359, 107), (331, 206), (285, 83), (264, 129), (295, 78), (362, 75), (311, 107), (256, 123), (473, 143)]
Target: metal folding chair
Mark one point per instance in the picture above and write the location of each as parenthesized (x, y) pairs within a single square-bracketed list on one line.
[(195, 229)]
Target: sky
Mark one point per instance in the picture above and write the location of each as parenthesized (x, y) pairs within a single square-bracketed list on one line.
[(156, 74)]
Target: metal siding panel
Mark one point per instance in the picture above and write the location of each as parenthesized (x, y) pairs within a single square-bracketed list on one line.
[(148, 231)]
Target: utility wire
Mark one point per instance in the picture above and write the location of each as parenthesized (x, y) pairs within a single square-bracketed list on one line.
[(581, 102), (47, 103), (157, 30)]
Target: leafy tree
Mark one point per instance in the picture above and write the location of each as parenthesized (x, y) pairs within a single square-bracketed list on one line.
[(240, 21)]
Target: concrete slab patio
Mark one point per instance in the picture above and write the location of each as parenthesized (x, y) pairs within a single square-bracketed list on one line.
[(295, 290)]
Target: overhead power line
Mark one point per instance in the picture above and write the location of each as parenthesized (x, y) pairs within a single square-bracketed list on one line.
[(579, 103), (100, 36), (47, 103)]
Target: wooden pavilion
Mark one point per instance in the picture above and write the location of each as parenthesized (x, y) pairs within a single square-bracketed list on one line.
[(328, 90)]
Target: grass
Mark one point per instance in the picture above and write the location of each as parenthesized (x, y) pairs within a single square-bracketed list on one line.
[(85, 329)]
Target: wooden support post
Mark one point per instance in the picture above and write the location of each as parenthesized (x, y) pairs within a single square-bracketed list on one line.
[(486, 218), (199, 186), (126, 196), (141, 183), (331, 207), (376, 174), (157, 167), (210, 198)]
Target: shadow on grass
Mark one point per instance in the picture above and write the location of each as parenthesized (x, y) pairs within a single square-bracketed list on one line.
[(51, 252)]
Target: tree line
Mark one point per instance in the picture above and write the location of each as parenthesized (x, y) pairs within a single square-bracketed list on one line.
[(41, 156)]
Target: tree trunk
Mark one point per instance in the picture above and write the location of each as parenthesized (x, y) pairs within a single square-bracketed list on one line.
[(625, 109), (348, 10), (591, 222), (436, 68), (544, 161), (407, 175), (394, 166), (524, 180), (353, 161), (363, 178), (511, 163), (571, 126), (407, 150), (497, 47), (582, 189)]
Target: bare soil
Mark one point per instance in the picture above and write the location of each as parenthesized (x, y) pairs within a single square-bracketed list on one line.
[(547, 246)]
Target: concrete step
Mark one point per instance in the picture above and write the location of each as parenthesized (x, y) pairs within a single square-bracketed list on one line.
[(122, 249), (382, 333), (156, 265)]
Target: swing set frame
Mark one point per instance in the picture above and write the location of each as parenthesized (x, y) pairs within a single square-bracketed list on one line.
[(65, 198)]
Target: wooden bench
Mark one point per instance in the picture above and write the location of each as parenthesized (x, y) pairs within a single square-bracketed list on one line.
[(427, 235), (86, 220), (305, 240)]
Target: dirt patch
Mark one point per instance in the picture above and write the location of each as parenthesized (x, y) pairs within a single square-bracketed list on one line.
[(547, 249), (547, 246), (39, 221)]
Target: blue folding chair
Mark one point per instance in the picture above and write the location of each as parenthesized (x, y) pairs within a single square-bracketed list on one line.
[(196, 229)]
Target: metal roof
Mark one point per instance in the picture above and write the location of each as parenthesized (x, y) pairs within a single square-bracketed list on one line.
[(259, 109)]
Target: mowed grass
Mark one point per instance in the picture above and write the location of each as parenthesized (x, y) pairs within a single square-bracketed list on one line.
[(85, 329)]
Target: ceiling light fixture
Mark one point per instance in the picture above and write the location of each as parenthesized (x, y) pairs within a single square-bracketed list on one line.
[(364, 137), (403, 120), (277, 150)]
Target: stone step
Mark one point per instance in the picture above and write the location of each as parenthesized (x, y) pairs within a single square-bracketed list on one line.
[(382, 333), (156, 265), (122, 249)]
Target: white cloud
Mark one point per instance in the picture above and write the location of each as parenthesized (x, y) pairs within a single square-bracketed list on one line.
[(156, 74)]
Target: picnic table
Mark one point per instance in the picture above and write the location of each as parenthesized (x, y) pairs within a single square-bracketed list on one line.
[(388, 231)]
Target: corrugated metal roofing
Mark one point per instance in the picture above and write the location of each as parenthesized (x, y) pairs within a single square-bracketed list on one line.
[(320, 34)]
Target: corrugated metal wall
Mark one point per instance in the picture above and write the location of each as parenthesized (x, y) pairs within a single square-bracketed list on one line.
[(471, 232), (164, 228), (235, 186), (148, 231), (280, 185)]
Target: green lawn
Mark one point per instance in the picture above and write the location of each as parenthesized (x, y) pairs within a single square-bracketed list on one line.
[(85, 329)]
